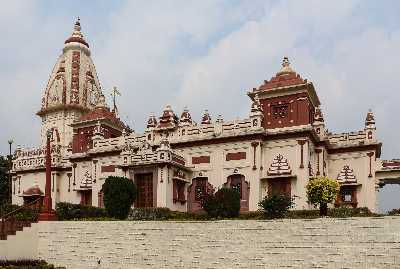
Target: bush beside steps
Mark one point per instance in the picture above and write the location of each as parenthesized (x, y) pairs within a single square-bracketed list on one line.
[(26, 264)]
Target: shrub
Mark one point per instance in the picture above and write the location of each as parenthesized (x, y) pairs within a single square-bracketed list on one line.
[(395, 211), (152, 213), (275, 206), (68, 211), (25, 214), (224, 203), (26, 264), (119, 194), (302, 214), (211, 205), (322, 191)]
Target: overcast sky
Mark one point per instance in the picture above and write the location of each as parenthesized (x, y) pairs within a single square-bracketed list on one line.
[(206, 55)]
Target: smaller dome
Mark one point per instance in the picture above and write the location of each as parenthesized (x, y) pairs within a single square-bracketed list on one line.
[(33, 191), (286, 77), (152, 122), (102, 112)]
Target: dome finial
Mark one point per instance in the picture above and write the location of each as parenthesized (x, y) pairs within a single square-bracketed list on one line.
[(285, 62), (77, 35), (286, 69), (77, 26)]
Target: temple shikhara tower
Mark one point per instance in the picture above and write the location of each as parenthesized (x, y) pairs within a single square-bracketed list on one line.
[(282, 143)]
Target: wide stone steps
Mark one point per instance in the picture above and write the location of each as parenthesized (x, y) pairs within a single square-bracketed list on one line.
[(320, 243)]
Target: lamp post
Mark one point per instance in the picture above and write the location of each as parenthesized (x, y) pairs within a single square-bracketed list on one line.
[(10, 142)]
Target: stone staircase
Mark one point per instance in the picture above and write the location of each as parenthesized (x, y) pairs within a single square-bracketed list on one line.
[(11, 227), (20, 245), (320, 243), (9, 224)]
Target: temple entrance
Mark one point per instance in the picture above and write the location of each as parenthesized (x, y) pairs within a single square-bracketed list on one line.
[(144, 184), (196, 191), (86, 197), (279, 186), (238, 183)]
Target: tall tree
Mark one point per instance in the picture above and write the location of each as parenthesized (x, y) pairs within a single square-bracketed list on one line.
[(4, 181)]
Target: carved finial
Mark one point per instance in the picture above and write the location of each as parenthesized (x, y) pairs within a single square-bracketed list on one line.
[(101, 101), (77, 35), (286, 69), (285, 62), (77, 26)]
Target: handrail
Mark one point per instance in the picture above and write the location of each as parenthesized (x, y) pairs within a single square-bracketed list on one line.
[(6, 216)]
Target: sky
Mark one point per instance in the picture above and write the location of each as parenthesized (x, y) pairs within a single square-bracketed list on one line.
[(206, 55)]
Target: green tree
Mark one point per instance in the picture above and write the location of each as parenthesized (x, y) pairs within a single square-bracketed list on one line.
[(321, 191), (276, 206), (4, 181), (119, 194), (224, 203)]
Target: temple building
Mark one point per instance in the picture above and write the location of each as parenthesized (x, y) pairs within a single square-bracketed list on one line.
[(282, 143)]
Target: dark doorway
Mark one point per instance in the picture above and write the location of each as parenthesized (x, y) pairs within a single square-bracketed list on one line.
[(86, 197), (145, 190), (238, 182), (279, 186)]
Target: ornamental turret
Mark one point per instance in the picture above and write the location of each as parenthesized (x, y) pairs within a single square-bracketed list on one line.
[(206, 119), (256, 114), (287, 99), (168, 119), (370, 128), (186, 118), (151, 122), (73, 88), (319, 122)]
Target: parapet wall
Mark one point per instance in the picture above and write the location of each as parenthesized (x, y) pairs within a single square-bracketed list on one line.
[(319, 243)]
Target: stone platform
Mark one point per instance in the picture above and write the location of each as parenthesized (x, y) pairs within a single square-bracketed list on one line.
[(321, 243)]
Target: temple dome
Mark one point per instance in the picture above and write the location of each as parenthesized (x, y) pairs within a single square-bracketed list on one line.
[(286, 77), (73, 81)]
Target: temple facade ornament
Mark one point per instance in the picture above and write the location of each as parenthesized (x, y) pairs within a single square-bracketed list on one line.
[(279, 166), (346, 175)]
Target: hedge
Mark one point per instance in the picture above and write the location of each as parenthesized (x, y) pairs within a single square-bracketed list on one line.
[(68, 211), (26, 264)]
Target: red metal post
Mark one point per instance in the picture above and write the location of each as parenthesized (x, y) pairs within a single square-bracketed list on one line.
[(47, 211)]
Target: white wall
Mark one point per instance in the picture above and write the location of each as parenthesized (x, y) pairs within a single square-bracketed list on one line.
[(319, 243)]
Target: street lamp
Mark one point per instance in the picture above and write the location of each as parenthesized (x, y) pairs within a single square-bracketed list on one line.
[(10, 142)]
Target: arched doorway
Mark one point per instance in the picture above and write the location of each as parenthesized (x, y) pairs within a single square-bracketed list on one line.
[(199, 187), (239, 183)]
